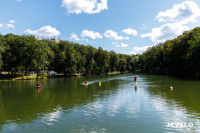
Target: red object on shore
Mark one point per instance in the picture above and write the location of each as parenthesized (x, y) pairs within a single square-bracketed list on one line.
[(135, 78)]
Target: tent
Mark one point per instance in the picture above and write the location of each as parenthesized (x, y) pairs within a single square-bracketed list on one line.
[(52, 73)]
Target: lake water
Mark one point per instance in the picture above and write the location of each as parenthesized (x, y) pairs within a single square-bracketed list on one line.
[(64, 105)]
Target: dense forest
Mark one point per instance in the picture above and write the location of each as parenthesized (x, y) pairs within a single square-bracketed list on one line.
[(180, 57), (26, 53)]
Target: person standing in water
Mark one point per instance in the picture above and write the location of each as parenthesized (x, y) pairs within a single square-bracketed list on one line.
[(135, 79)]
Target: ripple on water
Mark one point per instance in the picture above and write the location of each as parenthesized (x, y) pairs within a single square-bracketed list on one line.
[(122, 108)]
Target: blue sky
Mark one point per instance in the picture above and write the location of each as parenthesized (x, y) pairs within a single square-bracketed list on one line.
[(127, 26)]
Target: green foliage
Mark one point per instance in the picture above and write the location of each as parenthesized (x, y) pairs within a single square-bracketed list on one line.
[(180, 56), (70, 62), (122, 63), (2, 48), (25, 53), (102, 60), (114, 61)]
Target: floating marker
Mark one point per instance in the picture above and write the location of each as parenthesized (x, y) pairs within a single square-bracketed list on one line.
[(171, 88), (99, 83)]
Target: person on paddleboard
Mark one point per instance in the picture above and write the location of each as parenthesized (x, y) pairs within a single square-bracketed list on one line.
[(135, 79), (38, 83)]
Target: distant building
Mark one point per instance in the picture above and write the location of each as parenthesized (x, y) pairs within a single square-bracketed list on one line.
[(57, 40), (37, 38)]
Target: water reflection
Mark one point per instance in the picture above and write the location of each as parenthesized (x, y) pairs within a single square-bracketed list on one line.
[(38, 90), (65, 105), (135, 88), (177, 105), (54, 116), (20, 100)]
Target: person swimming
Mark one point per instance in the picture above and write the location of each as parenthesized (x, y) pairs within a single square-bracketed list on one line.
[(86, 83)]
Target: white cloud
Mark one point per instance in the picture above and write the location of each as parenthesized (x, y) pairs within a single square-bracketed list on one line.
[(122, 45), (91, 34), (86, 6), (114, 35), (182, 13), (139, 50), (121, 38), (10, 26), (179, 15), (130, 31), (46, 31), (110, 34), (165, 32), (12, 21), (75, 37)]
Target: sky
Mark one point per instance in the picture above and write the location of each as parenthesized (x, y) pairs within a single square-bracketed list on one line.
[(125, 26)]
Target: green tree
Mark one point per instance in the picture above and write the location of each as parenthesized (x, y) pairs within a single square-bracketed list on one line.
[(114, 61), (90, 64), (2, 48), (102, 60), (70, 61), (122, 63)]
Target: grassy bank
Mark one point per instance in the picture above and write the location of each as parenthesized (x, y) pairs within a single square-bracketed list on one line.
[(8, 77), (116, 72)]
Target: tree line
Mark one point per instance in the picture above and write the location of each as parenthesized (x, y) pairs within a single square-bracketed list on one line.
[(180, 56), (25, 53)]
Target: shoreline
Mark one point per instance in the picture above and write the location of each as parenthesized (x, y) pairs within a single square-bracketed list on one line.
[(8, 77)]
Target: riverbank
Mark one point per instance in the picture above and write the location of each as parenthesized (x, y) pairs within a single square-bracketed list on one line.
[(112, 73), (8, 77)]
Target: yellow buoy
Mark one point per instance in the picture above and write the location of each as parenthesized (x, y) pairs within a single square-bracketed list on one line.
[(171, 88), (99, 83)]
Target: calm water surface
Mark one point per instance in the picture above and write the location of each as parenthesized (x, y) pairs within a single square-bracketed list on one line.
[(64, 105)]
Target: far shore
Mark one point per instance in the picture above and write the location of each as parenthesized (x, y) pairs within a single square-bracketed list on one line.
[(8, 77)]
